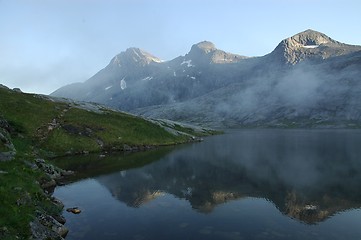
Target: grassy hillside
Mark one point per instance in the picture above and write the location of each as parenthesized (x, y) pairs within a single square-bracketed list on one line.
[(35, 126), (69, 127)]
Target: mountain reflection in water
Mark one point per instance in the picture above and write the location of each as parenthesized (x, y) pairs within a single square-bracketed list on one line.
[(309, 175)]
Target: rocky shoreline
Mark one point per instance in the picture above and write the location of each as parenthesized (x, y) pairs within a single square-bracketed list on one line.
[(47, 225), (51, 226)]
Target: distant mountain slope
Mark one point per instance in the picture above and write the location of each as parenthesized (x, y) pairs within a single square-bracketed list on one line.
[(132, 80), (327, 94), (307, 76)]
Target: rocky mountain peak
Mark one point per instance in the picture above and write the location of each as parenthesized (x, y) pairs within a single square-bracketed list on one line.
[(204, 47), (134, 56), (310, 45), (206, 52), (309, 38)]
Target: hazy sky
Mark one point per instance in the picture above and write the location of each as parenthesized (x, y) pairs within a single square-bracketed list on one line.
[(45, 44)]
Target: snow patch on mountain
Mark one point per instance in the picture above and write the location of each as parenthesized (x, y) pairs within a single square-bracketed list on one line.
[(311, 46), (117, 61), (147, 78), (189, 64), (123, 84)]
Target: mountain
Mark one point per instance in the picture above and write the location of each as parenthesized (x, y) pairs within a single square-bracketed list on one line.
[(308, 80), (132, 80)]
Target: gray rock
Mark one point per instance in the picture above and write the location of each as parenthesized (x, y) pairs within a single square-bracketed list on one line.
[(52, 171), (127, 148), (7, 156), (17, 90), (49, 184), (46, 227), (31, 165)]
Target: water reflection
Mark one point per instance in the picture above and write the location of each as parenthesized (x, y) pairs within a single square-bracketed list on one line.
[(308, 175)]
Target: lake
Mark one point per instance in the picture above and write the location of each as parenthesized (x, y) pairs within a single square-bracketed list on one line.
[(245, 184)]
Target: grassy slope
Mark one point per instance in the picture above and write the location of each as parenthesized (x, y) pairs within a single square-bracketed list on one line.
[(74, 130), (78, 129)]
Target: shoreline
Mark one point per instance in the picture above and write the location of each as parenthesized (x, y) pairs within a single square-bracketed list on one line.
[(52, 226)]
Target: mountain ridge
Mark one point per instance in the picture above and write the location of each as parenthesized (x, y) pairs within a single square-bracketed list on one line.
[(204, 70)]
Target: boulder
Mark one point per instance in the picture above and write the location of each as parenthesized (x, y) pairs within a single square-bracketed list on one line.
[(46, 227), (74, 210)]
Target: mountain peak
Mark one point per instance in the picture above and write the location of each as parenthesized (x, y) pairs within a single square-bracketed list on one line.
[(310, 45), (204, 46), (205, 52), (310, 38), (135, 56)]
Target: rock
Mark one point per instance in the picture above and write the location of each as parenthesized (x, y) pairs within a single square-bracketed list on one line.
[(57, 202), (127, 148), (46, 227), (100, 142), (3, 138), (67, 173), (74, 210), (17, 90), (50, 170), (7, 156), (32, 166), (49, 184), (60, 219), (39, 160)]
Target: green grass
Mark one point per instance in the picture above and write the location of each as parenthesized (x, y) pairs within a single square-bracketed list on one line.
[(113, 129), (27, 112), (79, 130), (124, 128), (20, 195), (60, 142)]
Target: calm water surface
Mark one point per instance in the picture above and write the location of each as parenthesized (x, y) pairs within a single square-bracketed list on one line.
[(246, 184)]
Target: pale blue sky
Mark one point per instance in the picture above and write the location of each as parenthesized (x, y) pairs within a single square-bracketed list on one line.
[(45, 44)]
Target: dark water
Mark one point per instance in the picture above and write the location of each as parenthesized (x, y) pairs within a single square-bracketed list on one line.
[(247, 184)]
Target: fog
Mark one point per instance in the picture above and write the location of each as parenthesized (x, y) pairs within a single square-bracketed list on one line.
[(311, 91)]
